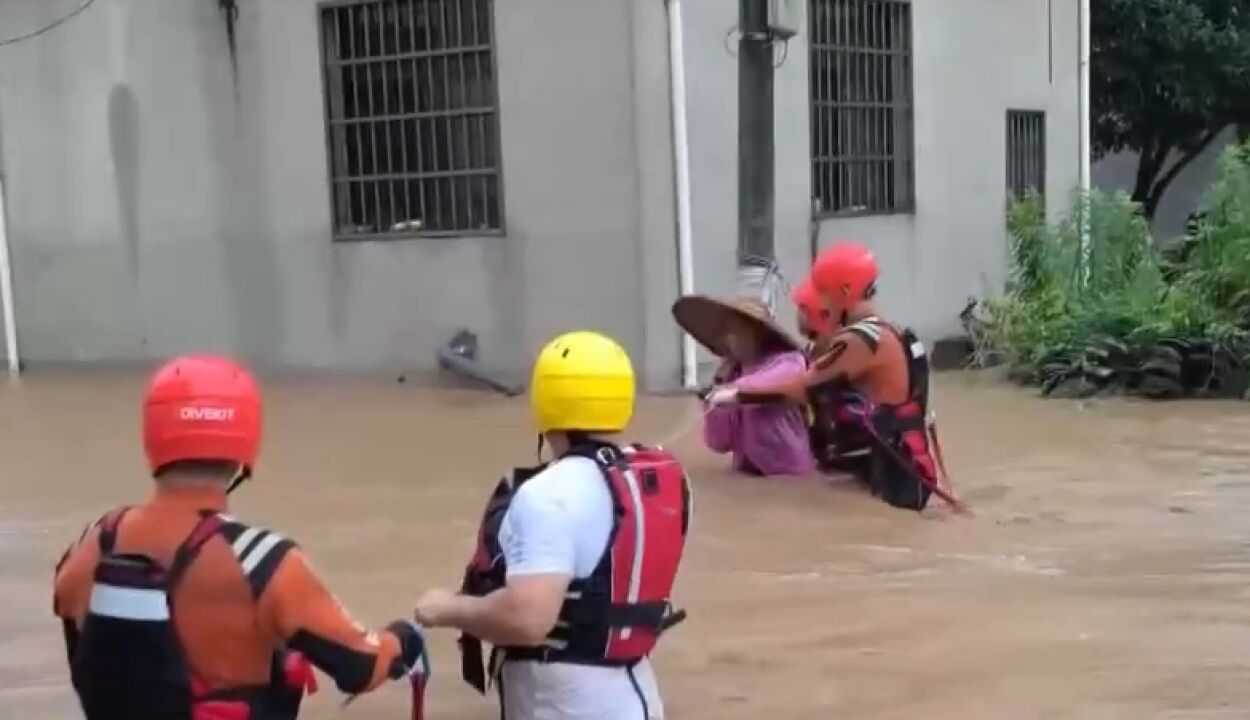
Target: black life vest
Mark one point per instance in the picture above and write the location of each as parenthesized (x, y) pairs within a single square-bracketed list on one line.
[(126, 661), (895, 438), (615, 616), (836, 446)]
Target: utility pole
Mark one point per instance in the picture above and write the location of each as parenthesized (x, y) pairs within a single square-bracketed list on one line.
[(756, 184)]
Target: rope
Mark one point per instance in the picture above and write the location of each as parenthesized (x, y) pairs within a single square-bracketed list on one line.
[(934, 487), (692, 420), (761, 278)]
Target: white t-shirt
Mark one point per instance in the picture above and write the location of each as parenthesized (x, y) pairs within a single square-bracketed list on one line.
[(559, 522)]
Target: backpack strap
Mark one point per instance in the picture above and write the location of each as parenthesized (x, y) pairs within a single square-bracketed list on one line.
[(260, 552), (608, 457), (869, 330), (605, 454), (209, 525), (108, 530)]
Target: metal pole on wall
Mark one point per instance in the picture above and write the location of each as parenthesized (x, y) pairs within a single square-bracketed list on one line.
[(6, 292), (1083, 81), (681, 172), (756, 187), (1084, 113)]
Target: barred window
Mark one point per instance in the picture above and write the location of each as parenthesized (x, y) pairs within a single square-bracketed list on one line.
[(861, 104), (1026, 152), (411, 118)]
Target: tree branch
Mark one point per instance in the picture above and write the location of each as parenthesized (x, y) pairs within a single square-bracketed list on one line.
[(1149, 159), (1160, 186)]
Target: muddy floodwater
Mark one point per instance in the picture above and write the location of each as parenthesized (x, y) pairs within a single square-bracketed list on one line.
[(1106, 573)]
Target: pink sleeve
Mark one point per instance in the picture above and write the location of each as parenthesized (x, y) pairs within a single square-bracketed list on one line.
[(720, 426), (779, 369)]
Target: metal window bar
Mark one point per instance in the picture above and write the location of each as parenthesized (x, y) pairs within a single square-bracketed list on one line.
[(411, 118), (861, 106), (1026, 153)]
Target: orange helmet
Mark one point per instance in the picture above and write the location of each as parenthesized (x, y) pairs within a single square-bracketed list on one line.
[(808, 301), (201, 407), (845, 274)]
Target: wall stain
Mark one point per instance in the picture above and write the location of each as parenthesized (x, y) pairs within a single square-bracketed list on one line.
[(252, 278)]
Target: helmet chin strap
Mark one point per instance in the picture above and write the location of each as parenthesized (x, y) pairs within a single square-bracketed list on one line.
[(244, 473), (572, 439)]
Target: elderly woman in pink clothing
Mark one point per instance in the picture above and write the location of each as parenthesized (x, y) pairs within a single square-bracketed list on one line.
[(754, 350)]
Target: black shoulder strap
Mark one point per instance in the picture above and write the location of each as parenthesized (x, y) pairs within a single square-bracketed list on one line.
[(869, 330), (209, 525), (604, 453), (608, 457), (917, 366), (259, 552), (521, 475), (108, 530)]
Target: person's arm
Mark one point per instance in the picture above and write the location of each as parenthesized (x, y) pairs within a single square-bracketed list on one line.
[(778, 370), (300, 610), (540, 553), (522, 613), (71, 586), (847, 358)]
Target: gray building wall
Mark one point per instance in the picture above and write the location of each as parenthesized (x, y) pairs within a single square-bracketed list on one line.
[(155, 208), (974, 59)]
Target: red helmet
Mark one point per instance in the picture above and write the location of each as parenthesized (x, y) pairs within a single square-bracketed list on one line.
[(200, 407), (845, 274), (809, 303)]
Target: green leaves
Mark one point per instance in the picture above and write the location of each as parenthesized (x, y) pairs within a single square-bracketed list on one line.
[(1119, 315), (1167, 76)]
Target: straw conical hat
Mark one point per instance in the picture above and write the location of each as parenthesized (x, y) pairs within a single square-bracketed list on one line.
[(707, 320)]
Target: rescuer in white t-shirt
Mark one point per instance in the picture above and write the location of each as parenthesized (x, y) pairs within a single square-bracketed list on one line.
[(571, 607)]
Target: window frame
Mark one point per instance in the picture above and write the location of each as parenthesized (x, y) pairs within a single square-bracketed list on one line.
[(495, 137), (903, 106), (1020, 123)]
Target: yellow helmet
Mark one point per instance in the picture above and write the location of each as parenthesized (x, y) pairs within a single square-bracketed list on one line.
[(582, 381)]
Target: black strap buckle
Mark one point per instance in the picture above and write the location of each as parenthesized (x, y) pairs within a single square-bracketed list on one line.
[(672, 617), (656, 616)]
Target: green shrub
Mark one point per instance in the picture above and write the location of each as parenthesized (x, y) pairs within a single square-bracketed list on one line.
[(1115, 313)]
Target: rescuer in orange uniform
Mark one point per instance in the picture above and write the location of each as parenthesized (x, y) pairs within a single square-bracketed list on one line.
[(173, 610), (868, 381)]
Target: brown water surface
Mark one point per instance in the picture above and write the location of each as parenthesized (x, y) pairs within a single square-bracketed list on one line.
[(1105, 576)]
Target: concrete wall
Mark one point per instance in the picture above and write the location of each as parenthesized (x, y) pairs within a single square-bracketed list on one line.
[(4, 354), (712, 107), (1183, 196), (974, 59), (157, 208)]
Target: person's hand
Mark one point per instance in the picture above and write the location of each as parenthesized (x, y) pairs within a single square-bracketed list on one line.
[(723, 395), (414, 653), (434, 608)]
